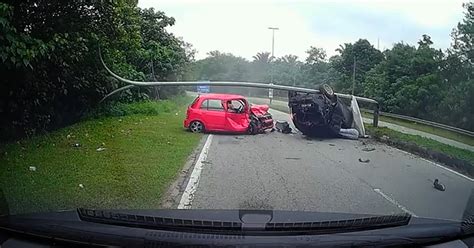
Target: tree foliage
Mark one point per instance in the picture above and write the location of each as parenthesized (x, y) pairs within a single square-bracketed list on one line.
[(50, 69)]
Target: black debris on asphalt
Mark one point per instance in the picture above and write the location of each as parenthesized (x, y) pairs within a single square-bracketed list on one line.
[(364, 160), (283, 127), (437, 185), (293, 158), (332, 145), (368, 149)]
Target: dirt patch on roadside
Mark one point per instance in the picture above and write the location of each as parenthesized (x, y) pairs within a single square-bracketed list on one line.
[(173, 194), (459, 165)]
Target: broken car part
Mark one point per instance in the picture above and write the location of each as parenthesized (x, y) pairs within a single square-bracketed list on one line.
[(283, 127)]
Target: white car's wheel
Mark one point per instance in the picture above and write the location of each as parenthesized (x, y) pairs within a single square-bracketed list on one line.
[(196, 127)]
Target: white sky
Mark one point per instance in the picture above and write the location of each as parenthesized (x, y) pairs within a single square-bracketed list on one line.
[(241, 27)]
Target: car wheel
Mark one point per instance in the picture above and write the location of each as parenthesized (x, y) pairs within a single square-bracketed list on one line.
[(327, 91), (196, 127), (252, 128)]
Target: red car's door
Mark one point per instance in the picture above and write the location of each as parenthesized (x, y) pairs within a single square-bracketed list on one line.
[(237, 117), (213, 114)]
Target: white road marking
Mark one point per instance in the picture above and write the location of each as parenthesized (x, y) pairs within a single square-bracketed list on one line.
[(188, 194), (438, 165), (394, 202)]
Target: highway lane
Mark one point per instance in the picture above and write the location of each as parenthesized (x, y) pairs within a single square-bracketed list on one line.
[(289, 172)]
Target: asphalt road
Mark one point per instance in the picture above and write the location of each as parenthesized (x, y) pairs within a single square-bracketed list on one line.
[(289, 172)]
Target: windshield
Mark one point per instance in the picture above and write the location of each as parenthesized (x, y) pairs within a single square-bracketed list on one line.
[(358, 107)]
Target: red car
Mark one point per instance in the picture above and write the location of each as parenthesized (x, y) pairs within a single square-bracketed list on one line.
[(227, 113)]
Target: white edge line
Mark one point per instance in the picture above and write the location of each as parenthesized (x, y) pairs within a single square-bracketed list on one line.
[(188, 194), (438, 165), (394, 202)]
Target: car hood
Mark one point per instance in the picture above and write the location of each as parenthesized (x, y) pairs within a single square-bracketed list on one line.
[(259, 109)]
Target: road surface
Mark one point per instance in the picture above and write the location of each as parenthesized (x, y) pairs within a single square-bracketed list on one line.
[(289, 172)]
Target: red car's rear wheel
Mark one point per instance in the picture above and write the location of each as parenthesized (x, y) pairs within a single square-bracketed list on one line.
[(196, 127)]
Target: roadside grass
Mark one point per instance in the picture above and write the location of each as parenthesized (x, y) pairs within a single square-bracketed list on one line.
[(422, 142), (425, 128), (145, 147)]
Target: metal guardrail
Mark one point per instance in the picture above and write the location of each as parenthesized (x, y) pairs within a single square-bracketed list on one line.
[(425, 122), (429, 123), (132, 83)]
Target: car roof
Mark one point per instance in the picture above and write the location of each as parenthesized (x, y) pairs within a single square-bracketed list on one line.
[(221, 96)]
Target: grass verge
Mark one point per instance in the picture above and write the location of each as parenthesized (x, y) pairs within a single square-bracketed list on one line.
[(457, 158), (144, 150), (425, 128)]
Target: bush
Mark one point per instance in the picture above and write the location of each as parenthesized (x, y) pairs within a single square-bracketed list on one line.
[(141, 108)]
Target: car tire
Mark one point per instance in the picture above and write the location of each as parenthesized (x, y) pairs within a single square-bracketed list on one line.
[(252, 128), (196, 127), (327, 91)]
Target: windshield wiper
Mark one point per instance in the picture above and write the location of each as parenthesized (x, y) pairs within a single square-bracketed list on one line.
[(269, 228)]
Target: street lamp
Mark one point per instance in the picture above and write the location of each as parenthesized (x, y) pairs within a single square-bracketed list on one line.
[(273, 39), (270, 91)]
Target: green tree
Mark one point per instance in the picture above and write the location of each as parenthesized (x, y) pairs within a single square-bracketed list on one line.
[(287, 70), (458, 75), (407, 81), (164, 56), (315, 69), (221, 66), (315, 55), (263, 57), (361, 55), (50, 69)]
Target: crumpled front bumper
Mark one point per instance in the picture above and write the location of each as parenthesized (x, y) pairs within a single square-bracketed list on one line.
[(267, 121)]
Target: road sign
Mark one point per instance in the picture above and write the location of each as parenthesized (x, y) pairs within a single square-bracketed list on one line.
[(203, 89)]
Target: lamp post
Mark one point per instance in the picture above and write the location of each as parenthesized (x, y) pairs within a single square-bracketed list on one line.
[(270, 91)]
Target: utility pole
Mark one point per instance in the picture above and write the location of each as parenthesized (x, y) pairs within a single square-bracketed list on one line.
[(353, 75), (273, 39), (270, 91)]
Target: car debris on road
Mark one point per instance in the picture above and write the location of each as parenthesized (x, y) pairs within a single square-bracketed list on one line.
[(437, 185), (283, 127), (364, 160)]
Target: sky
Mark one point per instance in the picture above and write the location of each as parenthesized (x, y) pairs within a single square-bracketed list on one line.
[(241, 27)]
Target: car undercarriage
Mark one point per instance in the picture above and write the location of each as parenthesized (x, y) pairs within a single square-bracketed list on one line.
[(320, 114)]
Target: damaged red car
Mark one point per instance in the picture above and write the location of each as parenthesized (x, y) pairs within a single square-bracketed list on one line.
[(227, 113)]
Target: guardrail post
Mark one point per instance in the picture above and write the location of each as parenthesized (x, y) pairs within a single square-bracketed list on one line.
[(376, 115)]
